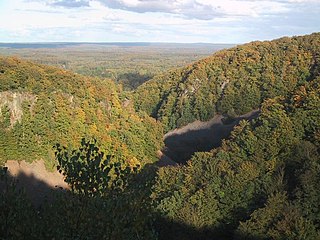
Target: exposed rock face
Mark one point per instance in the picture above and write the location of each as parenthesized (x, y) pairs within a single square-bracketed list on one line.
[(14, 101), (199, 136)]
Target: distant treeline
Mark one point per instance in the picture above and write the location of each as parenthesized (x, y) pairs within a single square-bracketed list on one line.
[(130, 64), (111, 44)]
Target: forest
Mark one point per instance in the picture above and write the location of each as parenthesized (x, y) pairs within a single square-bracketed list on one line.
[(129, 64), (260, 182)]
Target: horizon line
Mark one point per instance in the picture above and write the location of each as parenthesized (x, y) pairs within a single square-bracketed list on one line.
[(57, 42)]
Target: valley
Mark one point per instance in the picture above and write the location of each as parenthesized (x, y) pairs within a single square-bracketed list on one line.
[(130, 64), (223, 146)]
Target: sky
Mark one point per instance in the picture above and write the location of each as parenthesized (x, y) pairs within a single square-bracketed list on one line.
[(183, 21)]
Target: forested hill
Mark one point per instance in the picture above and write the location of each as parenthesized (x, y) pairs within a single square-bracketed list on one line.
[(41, 106), (261, 183), (232, 81)]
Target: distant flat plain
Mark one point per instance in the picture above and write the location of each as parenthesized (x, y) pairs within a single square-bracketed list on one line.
[(129, 63)]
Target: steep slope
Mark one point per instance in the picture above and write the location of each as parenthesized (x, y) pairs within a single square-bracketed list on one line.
[(262, 183), (232, 82), (41, 106)]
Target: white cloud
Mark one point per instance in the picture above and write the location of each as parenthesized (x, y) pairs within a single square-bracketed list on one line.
[(151, 20), (200, 9)]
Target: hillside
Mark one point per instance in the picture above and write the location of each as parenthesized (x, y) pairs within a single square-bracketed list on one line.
[(261, 182), (182, 143), (255, 176), (41, 106), (233, 81)]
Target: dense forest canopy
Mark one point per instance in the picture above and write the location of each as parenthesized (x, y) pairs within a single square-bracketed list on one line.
[(232, 81), (262, 182), (43, 105)]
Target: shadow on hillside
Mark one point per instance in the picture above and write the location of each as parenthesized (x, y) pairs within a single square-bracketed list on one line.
[(180, 144), (132, 80), (127, 209), (179, 231), (34, 189)]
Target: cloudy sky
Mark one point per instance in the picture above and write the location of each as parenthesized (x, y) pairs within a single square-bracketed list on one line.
[(212, 21)]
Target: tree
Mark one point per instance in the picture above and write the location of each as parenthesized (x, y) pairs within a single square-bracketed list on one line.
[(89, 171)]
